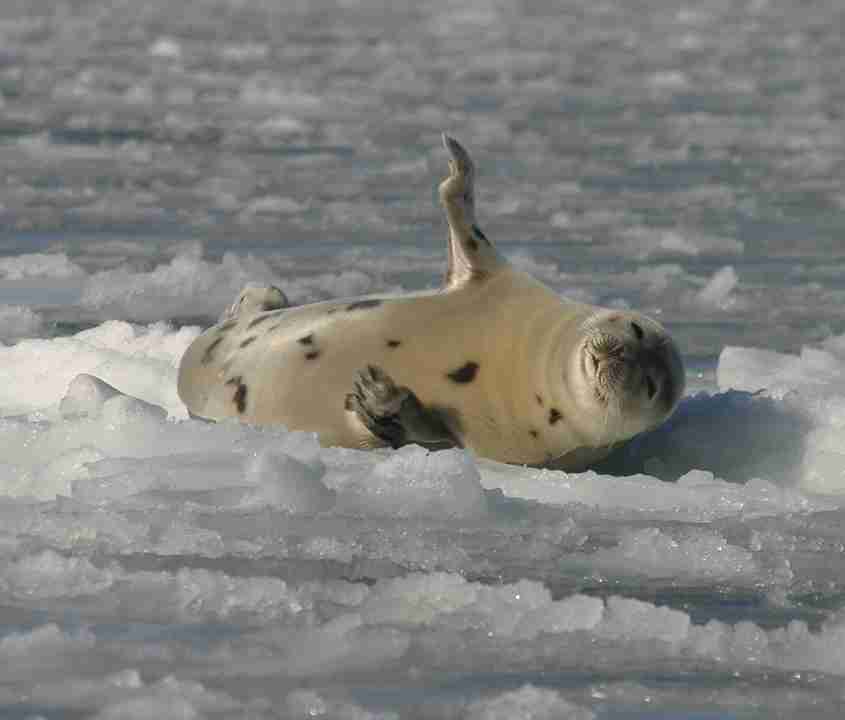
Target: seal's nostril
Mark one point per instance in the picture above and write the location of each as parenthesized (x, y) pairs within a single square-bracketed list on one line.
[(651, 386), (638, 331)]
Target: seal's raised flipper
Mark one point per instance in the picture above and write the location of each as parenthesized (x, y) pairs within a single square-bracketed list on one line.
[(255, 299), (471, 255), (394, 414)]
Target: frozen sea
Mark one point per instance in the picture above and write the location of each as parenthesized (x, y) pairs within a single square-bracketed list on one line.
[(686, 159)]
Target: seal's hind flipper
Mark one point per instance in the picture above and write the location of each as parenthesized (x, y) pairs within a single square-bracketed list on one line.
[(255, 299), (471, 255), (394, 414)]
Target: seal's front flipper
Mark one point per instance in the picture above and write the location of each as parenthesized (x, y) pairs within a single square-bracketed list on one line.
[(471, 254), (394, 414)]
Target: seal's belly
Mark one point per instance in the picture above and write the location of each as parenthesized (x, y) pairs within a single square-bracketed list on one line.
[(295, 367)]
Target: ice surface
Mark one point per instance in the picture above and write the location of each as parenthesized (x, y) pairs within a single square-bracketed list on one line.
[(158, 156), (18, 321), (291, 563), (527, 702)]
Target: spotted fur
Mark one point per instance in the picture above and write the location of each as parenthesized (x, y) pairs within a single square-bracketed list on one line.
[(239, 398), (464, 374), (363, 304), (260, 319)]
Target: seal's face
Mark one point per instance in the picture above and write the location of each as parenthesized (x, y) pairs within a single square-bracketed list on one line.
[(630, 373)]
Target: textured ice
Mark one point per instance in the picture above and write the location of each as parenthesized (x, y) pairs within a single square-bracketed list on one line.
[(717, 292), (194, 286), (527, 702), (132, 358), (181, 522), (18, 321), (32, 265)]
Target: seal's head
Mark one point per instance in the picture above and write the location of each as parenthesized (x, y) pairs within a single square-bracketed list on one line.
[(629, 374)]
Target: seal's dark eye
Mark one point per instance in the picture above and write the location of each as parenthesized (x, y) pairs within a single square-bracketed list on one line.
[(638, 331), (650, 387)]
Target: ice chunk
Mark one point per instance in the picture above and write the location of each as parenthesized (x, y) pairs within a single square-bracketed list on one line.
[(308, 704), (17, 322), (413, 481), (646, 242), (39, 265), (630, 619), (577, 612), (186, 287), (48, 575), (139, 361), (59, 475), (341, 645), (754, 369), (271, 205), (171, 699), (166, 47), (700, 554), (123, 409), (86, 395), (418, 598), (527, 703), (287, 483), (21, 649), (717, 293)]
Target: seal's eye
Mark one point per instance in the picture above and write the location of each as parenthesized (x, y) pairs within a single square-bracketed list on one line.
[(638, 331), (650, 387)]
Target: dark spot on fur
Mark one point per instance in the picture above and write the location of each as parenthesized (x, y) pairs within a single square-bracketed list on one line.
[(464, 374), (208, 355), (554, 416), (347, 403), (539, 400), (307, 339), (363, 304), (260, 319), (480, 234), (331, 311), (249, 341), (268, 306), (240, 393), (534, 434), (275, 327), (226, 326), (240, 398), (473, 243), (394, 343), (313, 355), (638, 331)]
